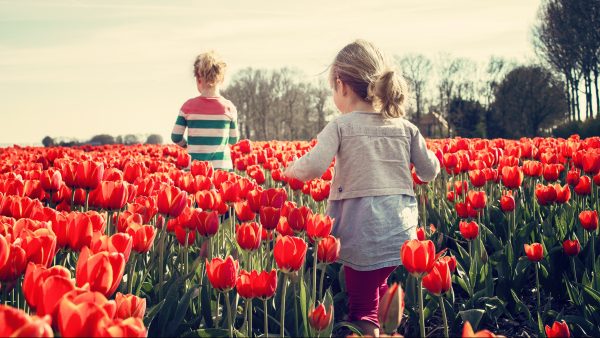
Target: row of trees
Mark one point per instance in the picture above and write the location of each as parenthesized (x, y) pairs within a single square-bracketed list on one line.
[(278, 104), (102, 139), (567, 38)]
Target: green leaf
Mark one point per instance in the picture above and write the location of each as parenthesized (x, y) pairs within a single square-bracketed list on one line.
[(304, 307), (209, 333), (151, 313), (521, 307), (182, 308), (473, 316)]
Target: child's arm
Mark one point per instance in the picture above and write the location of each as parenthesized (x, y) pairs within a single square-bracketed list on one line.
[(234, 132), (427, 165), (314, 163), (179, 129)]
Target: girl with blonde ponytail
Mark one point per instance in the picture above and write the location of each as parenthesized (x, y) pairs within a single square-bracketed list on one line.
[(372, 198)]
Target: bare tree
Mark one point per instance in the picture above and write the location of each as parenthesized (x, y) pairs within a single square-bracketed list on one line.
[(416, 68)]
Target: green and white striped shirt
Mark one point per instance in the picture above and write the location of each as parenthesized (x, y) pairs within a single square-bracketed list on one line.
[(212, 126)]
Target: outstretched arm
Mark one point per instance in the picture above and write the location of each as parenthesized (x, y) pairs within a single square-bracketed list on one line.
[(179, 129), (314, 163), (427, 166)]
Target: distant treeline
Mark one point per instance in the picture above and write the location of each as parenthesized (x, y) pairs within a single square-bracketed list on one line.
[(103, 139)]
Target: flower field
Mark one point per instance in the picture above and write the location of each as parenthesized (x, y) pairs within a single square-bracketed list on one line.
[(123, 241)]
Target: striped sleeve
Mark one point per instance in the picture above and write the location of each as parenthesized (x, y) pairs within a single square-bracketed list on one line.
[(179, 129), (234, 132)]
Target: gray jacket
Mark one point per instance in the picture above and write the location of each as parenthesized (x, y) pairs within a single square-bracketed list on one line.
[(372, 156)]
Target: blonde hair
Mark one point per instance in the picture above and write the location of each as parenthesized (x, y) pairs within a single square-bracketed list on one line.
[(364, 68), (210, 68)]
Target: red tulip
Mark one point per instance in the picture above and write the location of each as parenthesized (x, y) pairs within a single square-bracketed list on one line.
[(469, 333), (391, 308), (51, 180), (248, 236), (418, 257), (132, 170), (114, 194), (171, 201), (298, 218), (39, 245), (507, 202), (552, 171), (125, 219), (182, 233), (16, 263), (451, 261), (264, 283), (103, 270), (319, 319), (83, 314), (207, 200), (558, 330), (328, 250), (130, 327), (143, 236), (584, 187), (533, 168), (589, 220), (563, 194), (591, 161), (222, 274), (119, 243), (573, 177), (545, 194), (4, 251), (269, 217), (50, 292), (421, 233), (477, 178), (283, 227), (35, 276), (318, 226), (468, 230), (477, 199), (534, 252), (439, 279), (130, 306), (243, 212), (274, 197), (244, 285), (88, 174), (208, 223), (512, 177), (230, 191), (571, 247), (203, 168), (597, 179), (17, 323), (289, 253)]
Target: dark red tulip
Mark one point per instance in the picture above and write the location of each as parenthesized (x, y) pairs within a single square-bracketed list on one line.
[(573, 177), (298, 218), (552, 171), (207, 223), (533, 168), (143, 236), (269, 217), (51, 180), (477, 178), (451, 261), (571, 247), (563, 193), (468, 230), (421, 233), (507, 202)]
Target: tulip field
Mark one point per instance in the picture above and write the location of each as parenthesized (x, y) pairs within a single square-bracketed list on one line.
[(139, 241)]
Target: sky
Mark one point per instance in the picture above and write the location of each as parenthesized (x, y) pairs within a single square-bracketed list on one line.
[(78, 68)]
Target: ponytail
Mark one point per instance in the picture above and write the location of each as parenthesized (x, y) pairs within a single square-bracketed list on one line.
[(387, 92)]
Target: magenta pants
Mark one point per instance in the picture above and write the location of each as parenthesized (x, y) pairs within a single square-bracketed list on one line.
[(364, 289)]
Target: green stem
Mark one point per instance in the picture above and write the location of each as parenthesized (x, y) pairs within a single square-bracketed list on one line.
[(282, 309), (314, 276), (321, 283), (249, 317), (131, 272), (593, 239), (229, 314), (161, 257), (573, 268), (87, 198), (446, 334), (537, 287), (266, 325), (421, 315)]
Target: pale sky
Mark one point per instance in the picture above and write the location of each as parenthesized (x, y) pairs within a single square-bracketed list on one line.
[(84, 67)]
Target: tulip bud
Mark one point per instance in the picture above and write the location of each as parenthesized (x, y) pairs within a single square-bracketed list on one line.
[(391, 308)]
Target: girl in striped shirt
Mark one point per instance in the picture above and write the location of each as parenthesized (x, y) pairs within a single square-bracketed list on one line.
[(210, 119)]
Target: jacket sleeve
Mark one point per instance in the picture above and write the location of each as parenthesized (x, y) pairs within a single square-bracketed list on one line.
[(314, 163), (427, 165), (179, 129)]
